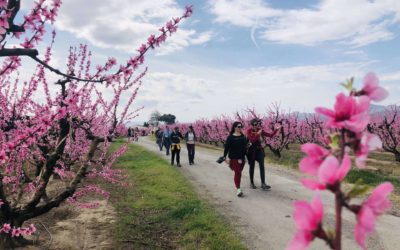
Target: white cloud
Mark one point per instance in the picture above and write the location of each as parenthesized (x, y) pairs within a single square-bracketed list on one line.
[(208, 92), (124, 25), (356, 22), (241, 13), (182, 39), (392, 76)]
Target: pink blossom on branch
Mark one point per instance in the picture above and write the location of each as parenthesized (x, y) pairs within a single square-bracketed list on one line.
[(372, 89), (368, 142), (375, 205), (308, 218), (349, 113), (315, 156), (329, 173)]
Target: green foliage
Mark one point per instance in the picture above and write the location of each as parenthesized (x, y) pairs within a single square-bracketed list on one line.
[(167, 118), (370, 178)]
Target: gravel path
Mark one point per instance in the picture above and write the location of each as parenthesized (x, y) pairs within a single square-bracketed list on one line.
[(264, 218)]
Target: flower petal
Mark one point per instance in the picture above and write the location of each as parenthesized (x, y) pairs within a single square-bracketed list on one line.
[(327, 172)]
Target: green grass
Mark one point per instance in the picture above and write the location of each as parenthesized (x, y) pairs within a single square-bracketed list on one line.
[(161, 209), (371, 178)]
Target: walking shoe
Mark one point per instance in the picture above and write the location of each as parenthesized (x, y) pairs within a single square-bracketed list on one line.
[(239, 192), (265, 186), (179, 165), (172, 163), (252, 185)]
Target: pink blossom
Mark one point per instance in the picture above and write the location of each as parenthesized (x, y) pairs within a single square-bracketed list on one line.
[(4, 21), (1, 202), (6, 228), (372, 89), (348, 113), (3, 3), (329, 173), (368, 143), (142, 48), (308, 218), (315, 156), (3, 156), (376, 204), (16, 232), (151, 40), (189, 11)]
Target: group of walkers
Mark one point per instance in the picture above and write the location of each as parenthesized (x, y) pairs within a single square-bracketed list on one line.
[(238, 146), (171, 141)]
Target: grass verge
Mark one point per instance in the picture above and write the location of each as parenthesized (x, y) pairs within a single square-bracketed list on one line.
[(161, 209)]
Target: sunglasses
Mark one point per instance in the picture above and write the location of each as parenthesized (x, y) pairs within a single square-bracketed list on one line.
[(240, 126)]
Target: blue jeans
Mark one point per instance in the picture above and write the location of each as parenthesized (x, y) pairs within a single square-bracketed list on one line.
[(167, 144)]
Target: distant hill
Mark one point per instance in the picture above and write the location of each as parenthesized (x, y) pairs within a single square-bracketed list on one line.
[(373, 108)]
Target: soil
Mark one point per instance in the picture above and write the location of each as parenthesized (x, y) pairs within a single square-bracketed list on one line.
[(69, 227)]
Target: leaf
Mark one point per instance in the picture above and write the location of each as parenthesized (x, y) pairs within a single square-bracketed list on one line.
[(330, 233), (349, 84), (335, 139)]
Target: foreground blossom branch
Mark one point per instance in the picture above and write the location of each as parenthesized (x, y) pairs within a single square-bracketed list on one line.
[(329, 167)]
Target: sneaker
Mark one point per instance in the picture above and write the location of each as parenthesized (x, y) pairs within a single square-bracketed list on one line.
[(265, 186), (253, 186), (179, 165), (239, 193)]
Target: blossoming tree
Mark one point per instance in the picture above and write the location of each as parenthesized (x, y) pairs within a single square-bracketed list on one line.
[(387, 126), (49, 148)]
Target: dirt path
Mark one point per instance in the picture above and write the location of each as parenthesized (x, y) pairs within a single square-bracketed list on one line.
[(264, 218)]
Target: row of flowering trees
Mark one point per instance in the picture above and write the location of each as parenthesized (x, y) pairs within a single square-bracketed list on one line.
[(295, 129), (49, 146)]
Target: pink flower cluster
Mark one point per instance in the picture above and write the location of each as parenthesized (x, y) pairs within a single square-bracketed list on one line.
[(16, 232), (329, 167)]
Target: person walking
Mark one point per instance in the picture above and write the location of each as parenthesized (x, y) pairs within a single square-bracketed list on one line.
[(190, 138), (255, 152), (235, 149), (159, 138), (167, 139), (176, 146)]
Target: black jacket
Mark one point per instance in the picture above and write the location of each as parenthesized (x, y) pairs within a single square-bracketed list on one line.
[(235, 147), (176, 136)]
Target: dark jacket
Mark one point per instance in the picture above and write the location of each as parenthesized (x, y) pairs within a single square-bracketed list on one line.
[(235, 147), (175, 137)]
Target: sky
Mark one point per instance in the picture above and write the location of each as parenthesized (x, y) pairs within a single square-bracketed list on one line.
[(232, 55)]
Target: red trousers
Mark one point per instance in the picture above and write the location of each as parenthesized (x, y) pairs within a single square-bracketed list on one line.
[(237, 168)]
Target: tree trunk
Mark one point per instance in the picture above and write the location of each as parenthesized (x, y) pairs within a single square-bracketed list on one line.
[(397, 155)]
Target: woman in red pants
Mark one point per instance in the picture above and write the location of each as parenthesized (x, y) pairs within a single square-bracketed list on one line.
[(235, 149)]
